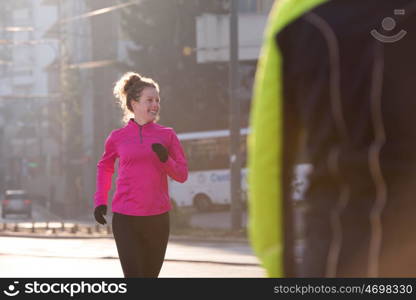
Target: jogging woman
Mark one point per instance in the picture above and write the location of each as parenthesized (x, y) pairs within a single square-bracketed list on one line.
[(147, 154)]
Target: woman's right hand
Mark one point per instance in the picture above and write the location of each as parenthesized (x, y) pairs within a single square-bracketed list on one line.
[(99, 213)]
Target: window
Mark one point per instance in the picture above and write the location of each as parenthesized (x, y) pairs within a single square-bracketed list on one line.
[(23, 72), (255, 6), (211, 153)]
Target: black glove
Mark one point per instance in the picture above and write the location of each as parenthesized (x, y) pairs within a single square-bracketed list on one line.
[(99, 213), (161, 151)]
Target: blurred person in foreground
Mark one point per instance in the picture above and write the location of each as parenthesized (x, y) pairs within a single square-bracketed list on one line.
[(147, 154), (341, 73)]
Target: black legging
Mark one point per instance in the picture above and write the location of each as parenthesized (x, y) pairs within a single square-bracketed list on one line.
[(141, 243)]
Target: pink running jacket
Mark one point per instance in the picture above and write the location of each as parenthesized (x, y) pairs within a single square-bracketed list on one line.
[(142, 186)]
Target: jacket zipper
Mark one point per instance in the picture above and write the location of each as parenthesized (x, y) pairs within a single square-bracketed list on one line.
[(140, 133)]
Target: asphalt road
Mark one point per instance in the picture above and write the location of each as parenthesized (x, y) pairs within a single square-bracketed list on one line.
[(38, 257), (48, 257)]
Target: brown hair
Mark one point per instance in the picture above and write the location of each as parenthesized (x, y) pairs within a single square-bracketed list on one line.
[(129, 88)]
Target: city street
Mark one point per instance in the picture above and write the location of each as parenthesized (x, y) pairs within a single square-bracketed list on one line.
[(97, 257), (37, 257)]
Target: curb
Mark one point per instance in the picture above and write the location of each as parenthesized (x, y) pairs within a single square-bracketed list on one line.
[(67, 235), (87, 230)]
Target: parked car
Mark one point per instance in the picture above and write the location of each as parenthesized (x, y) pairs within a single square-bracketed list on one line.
[(16, 202)]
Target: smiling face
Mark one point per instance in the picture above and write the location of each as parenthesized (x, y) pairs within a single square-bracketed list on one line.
[(147, 108)]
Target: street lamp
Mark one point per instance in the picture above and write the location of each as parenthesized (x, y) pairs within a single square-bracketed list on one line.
[(235, 157)]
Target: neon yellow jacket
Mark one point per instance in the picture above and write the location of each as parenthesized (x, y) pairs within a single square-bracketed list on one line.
[(265, 192)]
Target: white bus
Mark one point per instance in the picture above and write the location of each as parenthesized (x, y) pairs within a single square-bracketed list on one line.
[(208, 158)]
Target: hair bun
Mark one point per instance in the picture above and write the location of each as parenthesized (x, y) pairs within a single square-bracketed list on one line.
[(134, 78)]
